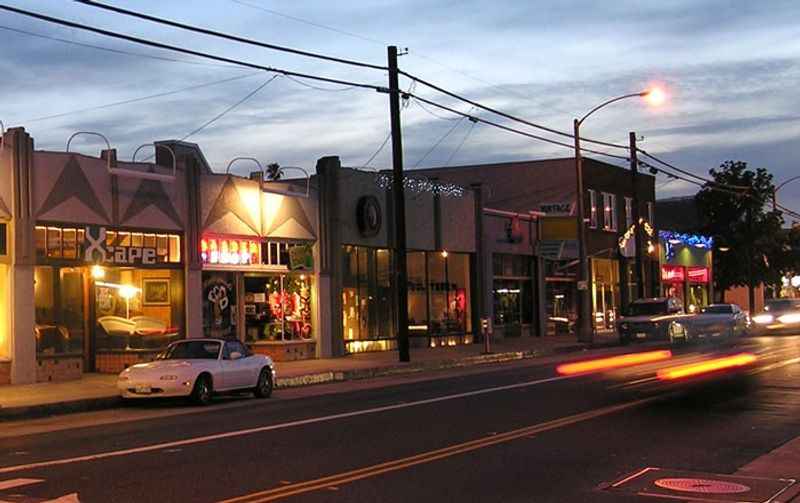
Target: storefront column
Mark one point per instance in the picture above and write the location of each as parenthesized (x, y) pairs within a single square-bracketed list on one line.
[(193, 295), (540, 297), (330, 335), (23, 341)]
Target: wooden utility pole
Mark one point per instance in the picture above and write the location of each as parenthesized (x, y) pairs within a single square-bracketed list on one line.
[(639, 235), (398, 197)]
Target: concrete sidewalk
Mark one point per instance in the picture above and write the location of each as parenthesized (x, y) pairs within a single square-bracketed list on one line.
[(98, 391)]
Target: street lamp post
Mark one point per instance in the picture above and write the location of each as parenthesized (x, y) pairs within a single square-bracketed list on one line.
[(584, 328)]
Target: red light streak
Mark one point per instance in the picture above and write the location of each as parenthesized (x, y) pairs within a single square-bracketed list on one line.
[(694, 369), (613, 362)]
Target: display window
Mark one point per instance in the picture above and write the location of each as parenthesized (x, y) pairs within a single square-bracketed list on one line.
[(277, 307), (605, 292), (367, 297), (512, 292), (219, 304)]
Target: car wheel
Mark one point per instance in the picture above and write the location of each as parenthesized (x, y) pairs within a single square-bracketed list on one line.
[(201, 393), (263, 388)]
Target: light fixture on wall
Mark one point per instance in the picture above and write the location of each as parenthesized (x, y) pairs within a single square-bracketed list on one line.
[(98, 272), (444, 253)]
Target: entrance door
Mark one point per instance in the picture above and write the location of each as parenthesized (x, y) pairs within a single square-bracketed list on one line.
[(73, 316)]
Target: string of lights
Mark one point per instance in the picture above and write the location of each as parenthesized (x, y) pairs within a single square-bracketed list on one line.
[(227, 36), (420, 184)]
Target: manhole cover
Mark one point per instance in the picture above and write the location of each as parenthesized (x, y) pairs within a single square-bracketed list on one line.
[(703, 486)]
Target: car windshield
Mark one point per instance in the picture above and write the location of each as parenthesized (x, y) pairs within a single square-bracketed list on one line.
[(781, 305), (718, 310), (647, 308), (192, 350)]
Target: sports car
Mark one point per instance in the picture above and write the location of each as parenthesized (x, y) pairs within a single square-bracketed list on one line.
[(199, 368)]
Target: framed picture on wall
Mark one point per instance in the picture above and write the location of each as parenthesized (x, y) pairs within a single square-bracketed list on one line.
[(155, 291)]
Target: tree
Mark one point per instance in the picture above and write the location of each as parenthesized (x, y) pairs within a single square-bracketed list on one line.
[(274, 171), (734, 213)]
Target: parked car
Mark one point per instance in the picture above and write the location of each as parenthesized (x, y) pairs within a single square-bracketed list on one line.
[(659, 318), (199, 368), (718, 320), (780, 316)]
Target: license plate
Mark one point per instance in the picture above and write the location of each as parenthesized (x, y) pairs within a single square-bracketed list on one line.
[(641, 335), (143, 389)]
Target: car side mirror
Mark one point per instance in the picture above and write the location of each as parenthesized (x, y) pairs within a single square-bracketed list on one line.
[(235, 355)]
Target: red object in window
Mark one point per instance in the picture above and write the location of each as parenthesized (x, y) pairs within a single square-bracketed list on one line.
[(698, 274), (672, 273)]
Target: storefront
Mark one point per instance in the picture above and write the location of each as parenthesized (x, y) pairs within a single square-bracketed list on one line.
[(260, 292), (686, 268), (513, 293), (605, 292), (105, 298)]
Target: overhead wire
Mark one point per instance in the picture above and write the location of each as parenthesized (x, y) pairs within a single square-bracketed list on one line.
[(505, 114), (116, 51), (439, 141), (688, 173), (463, 140), (137, 40), (142, 98), (227, 36)]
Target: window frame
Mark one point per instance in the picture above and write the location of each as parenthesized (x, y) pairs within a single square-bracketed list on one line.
[(609, 212), (628, 212), (592, 209)]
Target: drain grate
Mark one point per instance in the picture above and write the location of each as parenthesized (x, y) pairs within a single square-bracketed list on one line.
[(706, 487), (703, 486)]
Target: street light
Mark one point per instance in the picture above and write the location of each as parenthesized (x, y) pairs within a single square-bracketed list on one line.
[(585, 333)]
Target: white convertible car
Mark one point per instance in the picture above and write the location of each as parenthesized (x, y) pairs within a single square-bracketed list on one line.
[(198, 368)]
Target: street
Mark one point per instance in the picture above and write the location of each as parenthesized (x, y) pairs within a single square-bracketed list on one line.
[(519, 432)]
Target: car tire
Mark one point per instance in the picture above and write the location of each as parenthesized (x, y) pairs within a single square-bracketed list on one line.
[(202, 391), (264, 385)]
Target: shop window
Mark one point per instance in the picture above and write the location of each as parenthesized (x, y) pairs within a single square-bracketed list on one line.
[(651, 218), (40, 238), (628, 212), (417, 293), (277, 253), (54, 242), (174, 248), (59, 311), (219, 304), (278, 307), (592, 209), (3, 239), (367, 297), (138, 309)]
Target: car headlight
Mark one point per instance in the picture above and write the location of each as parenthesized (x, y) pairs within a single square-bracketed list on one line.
[(169, 378), (789, 318), (763, 319)]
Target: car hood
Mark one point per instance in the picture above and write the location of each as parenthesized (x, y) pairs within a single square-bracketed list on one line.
[(651, 318), (164, 365)]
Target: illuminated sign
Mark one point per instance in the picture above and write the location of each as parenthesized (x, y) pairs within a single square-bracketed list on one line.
[(698, 274), (97, 250), (556, 208), (672, 273), (230, 251)]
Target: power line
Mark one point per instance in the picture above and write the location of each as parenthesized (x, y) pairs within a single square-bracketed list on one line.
[(439, 141), (373, 156), (160, 45), (116, 51), (513, 130), (227, 36), (688, 173), (224, 112), (463, 140), (507, 115), (143, 98), (434, 114), (310, 86)]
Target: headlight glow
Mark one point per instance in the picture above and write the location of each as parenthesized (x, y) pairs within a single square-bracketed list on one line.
[(169, 378), (763, 319), (789, 318)]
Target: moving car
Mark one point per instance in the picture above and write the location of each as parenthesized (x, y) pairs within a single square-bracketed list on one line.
[(659, 318), (199, 368), (780, 316), (718, 320)]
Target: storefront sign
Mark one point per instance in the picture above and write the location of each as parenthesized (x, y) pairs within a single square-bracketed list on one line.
[(368, 216), (698, 274), (97, 250), (229, 251), (301, 258), (556, 208), (672, 273)]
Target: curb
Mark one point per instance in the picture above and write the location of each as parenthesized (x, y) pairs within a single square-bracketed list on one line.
[(110, 402)]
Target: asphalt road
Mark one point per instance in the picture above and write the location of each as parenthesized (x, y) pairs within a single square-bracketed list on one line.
[(520, 432)]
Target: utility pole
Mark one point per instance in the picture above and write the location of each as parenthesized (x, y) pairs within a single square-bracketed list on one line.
[(584, 328), (398, 196), (638, 235)]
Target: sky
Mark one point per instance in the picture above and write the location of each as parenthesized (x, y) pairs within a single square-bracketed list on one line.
[(730, 70)]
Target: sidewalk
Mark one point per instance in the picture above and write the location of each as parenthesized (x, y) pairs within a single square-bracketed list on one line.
[(98, 391)]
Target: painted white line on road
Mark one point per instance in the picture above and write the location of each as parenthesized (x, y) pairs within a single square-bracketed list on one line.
[(280, 426), (12, 483)]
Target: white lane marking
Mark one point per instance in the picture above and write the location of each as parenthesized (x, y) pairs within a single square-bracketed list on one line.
[(280, 426), (12, 483)]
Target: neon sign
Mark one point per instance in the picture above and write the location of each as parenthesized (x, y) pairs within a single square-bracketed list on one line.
[(672, 273), (230, 251), (672, 239), (698, 274)]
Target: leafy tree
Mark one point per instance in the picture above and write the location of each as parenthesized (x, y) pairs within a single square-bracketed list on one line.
[(735, 213), (274, 171)]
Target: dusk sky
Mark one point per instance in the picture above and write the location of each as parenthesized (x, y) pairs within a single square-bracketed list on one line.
[(730, 69)]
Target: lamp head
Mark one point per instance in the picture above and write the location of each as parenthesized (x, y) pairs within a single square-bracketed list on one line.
[(655, 96)]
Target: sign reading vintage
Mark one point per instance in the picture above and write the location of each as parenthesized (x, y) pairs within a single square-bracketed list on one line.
[(97, 250)]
